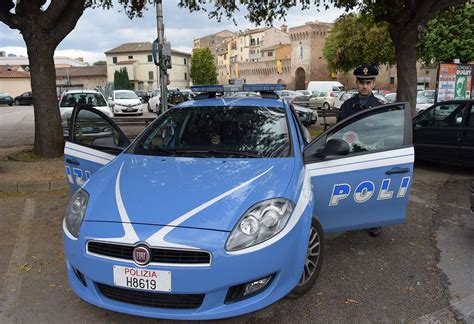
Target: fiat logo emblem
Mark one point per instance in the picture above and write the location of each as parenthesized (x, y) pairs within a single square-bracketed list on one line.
[(141, 255)]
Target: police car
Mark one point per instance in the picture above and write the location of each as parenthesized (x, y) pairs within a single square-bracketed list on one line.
[(221, 205)]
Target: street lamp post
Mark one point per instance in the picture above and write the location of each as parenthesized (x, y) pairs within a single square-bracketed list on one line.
[(162, 67)]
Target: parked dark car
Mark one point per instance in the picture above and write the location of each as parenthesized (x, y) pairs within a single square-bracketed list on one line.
[(445, 133), (143, 95), (24, 99), (6, 99)]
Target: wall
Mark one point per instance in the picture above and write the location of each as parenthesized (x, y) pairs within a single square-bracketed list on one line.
[(15, 86)]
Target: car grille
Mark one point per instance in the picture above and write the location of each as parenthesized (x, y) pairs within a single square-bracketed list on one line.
[(152, 299), (158, 255)]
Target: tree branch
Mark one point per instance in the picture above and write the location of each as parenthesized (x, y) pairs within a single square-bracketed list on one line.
[(69, 17), (54, 11), (11, 20)]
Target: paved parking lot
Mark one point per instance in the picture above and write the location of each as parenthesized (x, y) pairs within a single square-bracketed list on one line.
[(422, 271)]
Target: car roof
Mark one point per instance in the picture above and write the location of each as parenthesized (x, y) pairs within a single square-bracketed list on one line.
[(81, 91), (247, 101)]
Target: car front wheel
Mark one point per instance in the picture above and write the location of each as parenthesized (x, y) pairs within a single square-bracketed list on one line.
[(149, 108), (17, 102), (313, 262), (326, 106)]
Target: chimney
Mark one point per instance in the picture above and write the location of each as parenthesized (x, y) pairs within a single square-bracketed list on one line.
[(284, 28)]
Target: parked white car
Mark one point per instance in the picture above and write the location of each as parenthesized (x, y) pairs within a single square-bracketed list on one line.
[(70, 98), (421, 101), (125, 102)]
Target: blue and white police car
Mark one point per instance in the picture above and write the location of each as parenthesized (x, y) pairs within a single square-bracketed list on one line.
[(220, 206)]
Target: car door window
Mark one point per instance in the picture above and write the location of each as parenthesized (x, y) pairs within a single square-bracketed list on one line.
[(322, 94), (91, 129), (470, 122), (443, 115), (378, 130)]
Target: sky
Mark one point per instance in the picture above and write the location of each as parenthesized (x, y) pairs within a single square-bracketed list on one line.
[(100, 30)]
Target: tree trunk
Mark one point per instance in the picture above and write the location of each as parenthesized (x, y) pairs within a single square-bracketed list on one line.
[(48, 130), (404, 41)]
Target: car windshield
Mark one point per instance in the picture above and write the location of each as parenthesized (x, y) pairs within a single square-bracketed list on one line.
[(222, 131), (125, 95), (73, 99), (422, 99)]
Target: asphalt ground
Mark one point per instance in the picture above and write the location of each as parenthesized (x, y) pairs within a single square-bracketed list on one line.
[(412, 273)]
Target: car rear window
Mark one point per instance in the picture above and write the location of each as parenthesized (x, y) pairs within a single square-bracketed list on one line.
[(73, 99)]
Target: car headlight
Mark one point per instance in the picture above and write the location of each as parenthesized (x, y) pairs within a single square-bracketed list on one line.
[(75, 212), (261, 222)]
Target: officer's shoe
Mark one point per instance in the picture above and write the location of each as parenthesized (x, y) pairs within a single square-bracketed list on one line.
[(375, 231)]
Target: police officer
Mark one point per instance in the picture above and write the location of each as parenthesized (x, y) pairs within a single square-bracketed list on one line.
[(365, 82)]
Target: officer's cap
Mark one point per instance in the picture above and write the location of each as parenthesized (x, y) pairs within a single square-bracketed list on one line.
[(366, 72)]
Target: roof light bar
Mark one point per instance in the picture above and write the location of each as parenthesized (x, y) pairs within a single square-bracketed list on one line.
[(207, 88), (264, 87)]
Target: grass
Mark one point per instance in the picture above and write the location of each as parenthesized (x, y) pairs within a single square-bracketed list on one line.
[(28, 156)]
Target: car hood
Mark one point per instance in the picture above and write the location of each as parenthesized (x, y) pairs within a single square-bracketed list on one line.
[(128, 102), (205, 193)]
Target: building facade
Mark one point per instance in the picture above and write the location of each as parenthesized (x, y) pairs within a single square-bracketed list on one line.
[(137, 59), (87, 77), (14, 80)]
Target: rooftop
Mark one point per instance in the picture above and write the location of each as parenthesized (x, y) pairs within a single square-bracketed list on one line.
[(138, 47), (95, 70), (13, 72)]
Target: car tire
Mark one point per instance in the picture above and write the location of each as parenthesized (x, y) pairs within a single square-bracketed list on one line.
[(10, 104), (141, 114), (17, 102), (313, 262), (326, 106), (149, 108)]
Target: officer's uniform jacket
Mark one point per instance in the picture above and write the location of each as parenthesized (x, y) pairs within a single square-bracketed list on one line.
[(352, 106)]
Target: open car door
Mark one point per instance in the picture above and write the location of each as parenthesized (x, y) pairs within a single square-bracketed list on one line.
[(94, 140), (361, 169)]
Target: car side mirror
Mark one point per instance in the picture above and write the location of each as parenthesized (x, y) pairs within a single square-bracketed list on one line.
[(107, 142), (458, 120), (336, 147)]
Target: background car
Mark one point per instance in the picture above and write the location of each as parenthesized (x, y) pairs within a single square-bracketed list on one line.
[(322, 100), (421, 101), (303, 98), (341, 97), (6, 99), (70, 98), (25, 98), (125, 102), (430, 94), (445, 133), (143, 95), (174, 96), (245, 94), (287, 94)]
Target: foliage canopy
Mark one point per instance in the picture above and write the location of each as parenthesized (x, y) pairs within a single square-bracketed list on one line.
[(203, 67)]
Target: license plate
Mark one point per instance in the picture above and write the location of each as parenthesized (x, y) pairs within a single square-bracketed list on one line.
[(143, 279), (129, 109)]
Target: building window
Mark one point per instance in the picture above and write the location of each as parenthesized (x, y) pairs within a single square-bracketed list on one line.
[(185, 62), (150, 75), (130, 57), (185, 76), (114, 59), (392, 80), (270, 53), (258, 41), (150, 58)]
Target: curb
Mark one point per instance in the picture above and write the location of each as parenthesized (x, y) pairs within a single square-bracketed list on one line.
[(33, 186)]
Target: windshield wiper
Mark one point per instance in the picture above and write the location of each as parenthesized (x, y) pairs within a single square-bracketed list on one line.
[(206, 152)]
